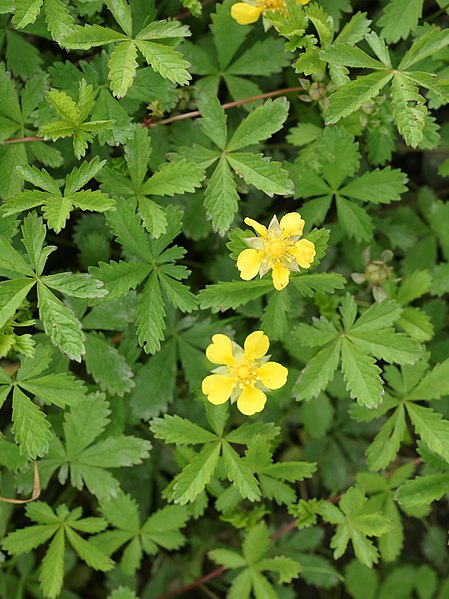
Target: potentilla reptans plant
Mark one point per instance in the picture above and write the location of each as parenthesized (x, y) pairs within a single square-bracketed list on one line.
[(224, 273)]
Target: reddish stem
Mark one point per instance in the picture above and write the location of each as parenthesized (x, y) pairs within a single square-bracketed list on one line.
[(19, 140), (196, 113)]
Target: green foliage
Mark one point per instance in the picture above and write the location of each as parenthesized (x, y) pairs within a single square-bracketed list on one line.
[(72, 121), (254, 563), (355, 344), (355, 523), (221, 197), (59, 525), (135, 140)]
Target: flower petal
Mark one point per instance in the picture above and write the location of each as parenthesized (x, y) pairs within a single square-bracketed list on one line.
[(291, 224), (273, 375), (220, 350), (218, 388), (251, 400), (280, 276), (244, 13), (303, 252), (256, 345), (248, 263), (260, 229)]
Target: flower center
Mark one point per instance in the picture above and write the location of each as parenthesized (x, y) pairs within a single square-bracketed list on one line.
[(273, 5), (276, 248), (244, 373)]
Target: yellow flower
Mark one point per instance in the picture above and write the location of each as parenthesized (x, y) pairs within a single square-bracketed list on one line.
[(246, 373), (249, 12), (277, 248)]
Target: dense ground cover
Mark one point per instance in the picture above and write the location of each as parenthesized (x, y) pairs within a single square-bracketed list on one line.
[(224, 261)]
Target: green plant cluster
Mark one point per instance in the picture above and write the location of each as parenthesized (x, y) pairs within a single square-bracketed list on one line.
[(135, 137)]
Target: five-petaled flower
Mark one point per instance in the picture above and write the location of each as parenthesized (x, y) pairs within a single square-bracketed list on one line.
[(277, 248), (249, 12), (245, 374)]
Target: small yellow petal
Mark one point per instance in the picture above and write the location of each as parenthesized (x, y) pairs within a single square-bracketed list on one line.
[(303, 2), (251, 400), (280, 276), (244, 13), (273, 375), (248, 263), (256, 345), (218, 388), (260, 229), (220, 350), (291, 224), (303, 252)]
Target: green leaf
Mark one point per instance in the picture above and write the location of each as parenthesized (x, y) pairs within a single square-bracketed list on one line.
[(221, 197), (354, 220), (194, 478), (122, 14), (122, 67), (260, 124), (150, 316), (89, 553), (155, 383), (232, 294), (56, 388), (260, 171), (429, 43), (257, 543), (60, 324), (76, 285), (125, 225), (353, 95), (361, 375), (12, 294), (173, 429), (378, 186), (239, 474), (318, 373), (120, 277), (399, 19), (344, 54), (174, 178), (387, 442), (409, 110), (431, 427), (434, 385), (30, 426), (226, 558), (422, 490), (378, 316), (213, 121), (107, 366), (166, 61), (388, 345), (51, 576), (286, 567), (26, 12)]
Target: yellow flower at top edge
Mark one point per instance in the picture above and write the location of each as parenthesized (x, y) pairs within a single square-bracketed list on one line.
[(277, 248), (244, 375), (249, 12)]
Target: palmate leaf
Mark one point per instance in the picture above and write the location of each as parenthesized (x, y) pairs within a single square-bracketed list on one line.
[(122, 64), (88, 459), (59, 525)]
